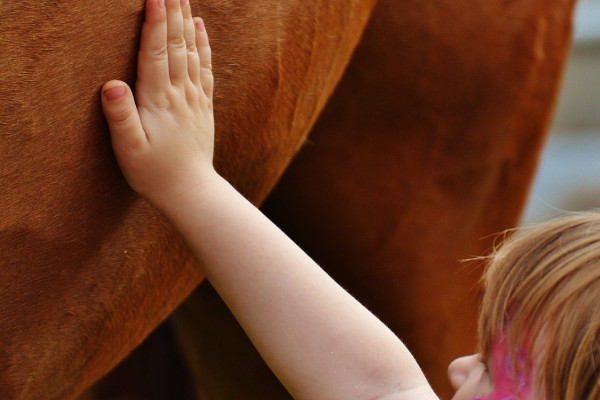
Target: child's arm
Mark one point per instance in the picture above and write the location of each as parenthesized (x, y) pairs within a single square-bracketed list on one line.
[(319, 341)]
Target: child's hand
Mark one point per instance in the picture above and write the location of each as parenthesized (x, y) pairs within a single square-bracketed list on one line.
[(165, 144)]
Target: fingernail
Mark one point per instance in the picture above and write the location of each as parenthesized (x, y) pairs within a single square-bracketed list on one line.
[(199, 25), (184, 1), (114, 93)]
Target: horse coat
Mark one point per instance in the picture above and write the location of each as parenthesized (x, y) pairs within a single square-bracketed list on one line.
[(426, 146)]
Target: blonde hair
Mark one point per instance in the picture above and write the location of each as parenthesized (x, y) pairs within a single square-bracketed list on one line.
[(542, 292)]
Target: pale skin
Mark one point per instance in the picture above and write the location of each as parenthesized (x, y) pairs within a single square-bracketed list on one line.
[(319, 341)]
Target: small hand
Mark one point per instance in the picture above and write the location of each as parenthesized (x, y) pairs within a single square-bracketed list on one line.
[(164, 139)]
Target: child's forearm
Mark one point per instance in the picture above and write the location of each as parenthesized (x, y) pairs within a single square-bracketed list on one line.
[(318, 340)]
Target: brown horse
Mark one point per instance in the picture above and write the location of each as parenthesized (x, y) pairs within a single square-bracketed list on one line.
[(431, 139)]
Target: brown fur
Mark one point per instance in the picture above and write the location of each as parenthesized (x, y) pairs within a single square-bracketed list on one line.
[(428, 145), (87, 268)]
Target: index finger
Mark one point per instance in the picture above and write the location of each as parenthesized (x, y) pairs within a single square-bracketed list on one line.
[(153, 63)]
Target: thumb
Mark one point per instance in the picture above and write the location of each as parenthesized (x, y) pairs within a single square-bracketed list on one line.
[(122, 116)]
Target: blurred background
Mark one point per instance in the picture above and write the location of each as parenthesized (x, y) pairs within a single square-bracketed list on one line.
[(568, 178)]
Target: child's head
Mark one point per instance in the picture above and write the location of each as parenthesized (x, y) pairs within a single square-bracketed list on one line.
[(540, 315)]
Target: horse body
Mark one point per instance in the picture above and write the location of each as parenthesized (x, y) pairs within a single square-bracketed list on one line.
[(439, 117), (88, 269)]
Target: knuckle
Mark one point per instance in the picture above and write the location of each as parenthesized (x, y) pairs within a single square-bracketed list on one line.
[(191, 90), (153, 53), (193, 54), (122, 115), (191, 48), (178, 43), (159, 53), (207, 71)]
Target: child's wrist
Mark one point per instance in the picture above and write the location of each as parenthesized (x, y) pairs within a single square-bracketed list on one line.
[(190, 190)]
